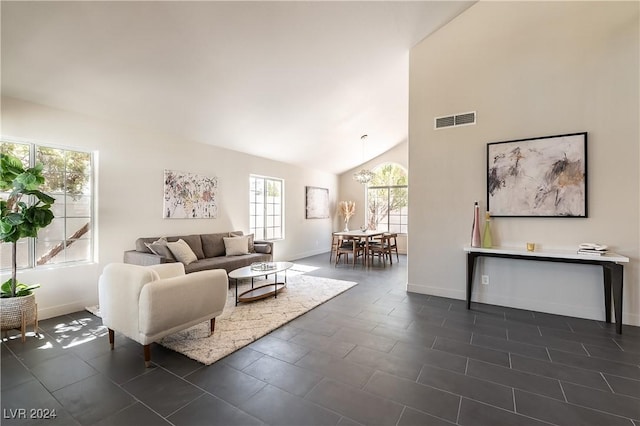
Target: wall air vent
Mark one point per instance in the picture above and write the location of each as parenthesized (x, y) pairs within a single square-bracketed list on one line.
[(464, 119)]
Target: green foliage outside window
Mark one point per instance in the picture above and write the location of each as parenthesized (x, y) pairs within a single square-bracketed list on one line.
[(65, 170), (388, 199), (68, 179)]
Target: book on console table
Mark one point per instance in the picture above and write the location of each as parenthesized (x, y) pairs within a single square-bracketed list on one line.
[(592, 249), (591, 252)]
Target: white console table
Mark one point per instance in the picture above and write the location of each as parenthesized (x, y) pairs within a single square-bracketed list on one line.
[(611, 266)]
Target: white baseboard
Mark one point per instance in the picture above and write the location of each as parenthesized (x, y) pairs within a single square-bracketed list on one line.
[(309, 253), (519, 303), (631, 319), (436, 291), (54, 311)]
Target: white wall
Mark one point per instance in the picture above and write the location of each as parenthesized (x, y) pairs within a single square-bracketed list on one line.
[(130, 187), (351, 190), (529, 69)]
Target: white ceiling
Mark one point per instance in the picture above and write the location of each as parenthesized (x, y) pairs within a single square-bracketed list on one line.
[(297, 82)]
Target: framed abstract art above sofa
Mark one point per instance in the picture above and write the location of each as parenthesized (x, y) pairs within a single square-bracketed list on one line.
[(189, 196)]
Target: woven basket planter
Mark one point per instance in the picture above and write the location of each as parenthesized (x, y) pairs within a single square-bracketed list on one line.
[(18, 312)]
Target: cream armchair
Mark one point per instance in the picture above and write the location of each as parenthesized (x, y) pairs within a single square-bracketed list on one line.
[(146, 303)]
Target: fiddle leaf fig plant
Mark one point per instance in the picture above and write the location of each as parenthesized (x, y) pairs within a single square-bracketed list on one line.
[(22, 214)]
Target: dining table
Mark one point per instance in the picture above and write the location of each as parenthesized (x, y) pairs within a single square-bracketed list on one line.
[(361, 235)]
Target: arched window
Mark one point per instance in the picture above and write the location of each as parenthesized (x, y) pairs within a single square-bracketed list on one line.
[(387, 199)]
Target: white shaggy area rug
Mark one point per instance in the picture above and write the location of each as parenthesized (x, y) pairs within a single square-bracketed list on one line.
[(240, 325)]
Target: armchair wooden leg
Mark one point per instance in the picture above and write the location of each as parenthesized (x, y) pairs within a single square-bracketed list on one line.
[(111, 338), (213, 326), (147, 355), (35, 322)]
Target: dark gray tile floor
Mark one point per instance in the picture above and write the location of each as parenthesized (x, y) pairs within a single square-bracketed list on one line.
[(373, 355)]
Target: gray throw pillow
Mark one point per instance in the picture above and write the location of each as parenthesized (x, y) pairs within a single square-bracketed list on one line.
[(159, 247)]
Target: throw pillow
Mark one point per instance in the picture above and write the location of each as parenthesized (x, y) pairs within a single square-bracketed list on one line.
[(250, 236), (181, 250), (236, 246), (159, 247), (252, 248), (194, 242)]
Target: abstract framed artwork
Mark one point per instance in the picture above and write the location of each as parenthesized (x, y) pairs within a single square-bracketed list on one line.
[(189, 196), (538, 177), (317, 203)]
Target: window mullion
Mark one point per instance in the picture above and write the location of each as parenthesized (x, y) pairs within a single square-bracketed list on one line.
[(32, 241), (264, 208), (388, 208)]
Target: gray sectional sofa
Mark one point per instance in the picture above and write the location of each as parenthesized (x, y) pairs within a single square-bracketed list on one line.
[(208, 248)]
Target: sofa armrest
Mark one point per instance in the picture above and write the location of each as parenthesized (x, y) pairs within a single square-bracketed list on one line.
[(169, 302), (262, 246), (144, 259)]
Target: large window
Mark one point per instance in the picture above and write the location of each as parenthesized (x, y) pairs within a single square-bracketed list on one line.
[(266, 207), (69, 179), (387, 199)]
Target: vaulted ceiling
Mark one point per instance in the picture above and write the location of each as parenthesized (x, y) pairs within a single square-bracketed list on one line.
[(297, 82)]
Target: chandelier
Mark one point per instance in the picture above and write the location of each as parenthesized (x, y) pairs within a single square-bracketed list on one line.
[(363, 176)]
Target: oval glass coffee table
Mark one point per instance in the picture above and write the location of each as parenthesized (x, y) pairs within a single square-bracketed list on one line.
[(254, 271)]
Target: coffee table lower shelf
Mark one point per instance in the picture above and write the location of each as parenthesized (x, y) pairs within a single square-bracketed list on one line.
[(265, 290), (261, 292)]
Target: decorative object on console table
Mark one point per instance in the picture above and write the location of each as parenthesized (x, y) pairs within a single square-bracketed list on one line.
[(538, 177), (347, 210), (592, 249), (588, 252), (20, 218), (189, 196), (487, 241), (475, 228)]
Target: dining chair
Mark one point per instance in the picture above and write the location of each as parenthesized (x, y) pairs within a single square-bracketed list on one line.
[(393, 244), (349, 246), (381, 248), (336, 240)]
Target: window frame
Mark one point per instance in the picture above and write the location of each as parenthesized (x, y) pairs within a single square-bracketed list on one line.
[(403, 224), (32, 246), (253, 228)]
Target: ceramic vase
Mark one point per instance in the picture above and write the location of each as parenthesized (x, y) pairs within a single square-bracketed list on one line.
[(475, 229), (486, 236)]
